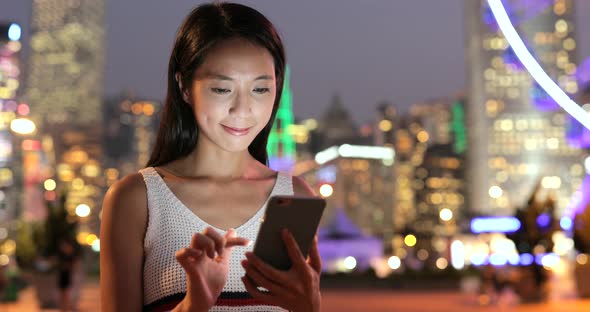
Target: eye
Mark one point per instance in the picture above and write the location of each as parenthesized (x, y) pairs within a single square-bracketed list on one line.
[(220, 90), (262, 90)]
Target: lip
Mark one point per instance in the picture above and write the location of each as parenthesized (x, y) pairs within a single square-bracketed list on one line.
[(236, 131)]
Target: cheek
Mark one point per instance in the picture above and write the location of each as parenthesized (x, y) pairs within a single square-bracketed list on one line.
[(205, 113), (205, 106), (268, 106), (202, 105), (265, 111)]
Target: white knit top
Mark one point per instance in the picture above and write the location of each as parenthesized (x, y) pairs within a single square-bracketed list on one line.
[(171, 225)]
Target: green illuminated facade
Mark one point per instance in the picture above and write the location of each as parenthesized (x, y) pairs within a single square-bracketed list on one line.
[(281, 146)]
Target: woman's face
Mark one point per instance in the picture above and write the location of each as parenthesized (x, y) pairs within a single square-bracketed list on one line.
[(233, 93)]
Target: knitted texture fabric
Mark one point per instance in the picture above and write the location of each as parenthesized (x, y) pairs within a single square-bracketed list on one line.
[(171, 225)]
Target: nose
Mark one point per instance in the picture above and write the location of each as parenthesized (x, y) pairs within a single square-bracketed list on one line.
[(241, 106)]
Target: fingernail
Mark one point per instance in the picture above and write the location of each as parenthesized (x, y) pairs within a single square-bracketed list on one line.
[(248, 243)]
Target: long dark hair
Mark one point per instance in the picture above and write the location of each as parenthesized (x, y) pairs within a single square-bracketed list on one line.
[(203, 28)]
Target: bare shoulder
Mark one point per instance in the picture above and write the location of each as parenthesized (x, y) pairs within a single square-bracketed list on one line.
[(131, 182), (301, 187), (124, 221), (127, 198)]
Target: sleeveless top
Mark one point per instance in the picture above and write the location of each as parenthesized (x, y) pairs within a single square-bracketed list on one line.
[(170, 227)]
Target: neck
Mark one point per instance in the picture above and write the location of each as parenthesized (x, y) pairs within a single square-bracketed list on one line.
[(209, 161)]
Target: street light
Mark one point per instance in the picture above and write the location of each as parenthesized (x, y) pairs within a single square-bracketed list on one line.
[(82, 210), (23, 126), (326, 190)]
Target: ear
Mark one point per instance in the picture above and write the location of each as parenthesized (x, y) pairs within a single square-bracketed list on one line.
[(185, 93)]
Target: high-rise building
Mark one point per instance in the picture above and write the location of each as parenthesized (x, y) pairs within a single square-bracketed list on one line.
[(65, 79), (428, 176), (439, 172), (577, 133), (386, 122), (64, 88), (281, 145), (10, 65), (336, 127), (410, 143), (358, 180), (10, 88), (130, 130), (516, 131)]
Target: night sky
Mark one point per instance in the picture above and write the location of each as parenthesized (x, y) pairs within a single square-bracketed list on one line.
[(366, 51)]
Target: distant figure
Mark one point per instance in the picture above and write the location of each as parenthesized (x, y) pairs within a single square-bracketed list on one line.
[(67, 259)]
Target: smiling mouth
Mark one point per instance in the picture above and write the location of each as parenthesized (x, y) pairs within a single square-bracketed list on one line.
[(236, 131)]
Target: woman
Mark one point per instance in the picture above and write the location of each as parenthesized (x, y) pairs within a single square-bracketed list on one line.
[(177, 235)]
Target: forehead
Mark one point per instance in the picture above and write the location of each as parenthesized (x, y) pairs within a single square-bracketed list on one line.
[(237, 57)]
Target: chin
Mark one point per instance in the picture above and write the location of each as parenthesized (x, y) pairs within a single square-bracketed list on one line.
[(236, 147)]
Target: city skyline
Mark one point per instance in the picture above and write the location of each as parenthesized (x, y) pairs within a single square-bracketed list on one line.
[(424, 170), (318, 72)]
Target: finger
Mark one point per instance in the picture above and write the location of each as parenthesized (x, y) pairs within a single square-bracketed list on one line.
[(314, 256), (237, 241), (267, 270), (204, 243), (261, 280), (232, 239), (293, 249), (217, 238), (258, 294), (184, 255)]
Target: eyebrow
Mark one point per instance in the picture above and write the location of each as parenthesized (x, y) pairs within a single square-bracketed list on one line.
[(218, 76)]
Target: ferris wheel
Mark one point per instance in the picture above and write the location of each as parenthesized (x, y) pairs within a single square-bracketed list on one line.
[(501, 14), (577, 134), (519, 11)]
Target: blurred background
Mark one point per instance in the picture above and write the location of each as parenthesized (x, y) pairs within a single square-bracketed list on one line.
[(454, 180)]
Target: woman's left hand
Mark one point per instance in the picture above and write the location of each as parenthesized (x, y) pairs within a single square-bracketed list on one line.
[(297, 289)]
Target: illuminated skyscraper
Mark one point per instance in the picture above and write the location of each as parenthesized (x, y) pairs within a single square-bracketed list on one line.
[(10, 69), (428, 183), (516, 131), (65, 80), (358, 180), (10, 88), (281, 146), (438, 181), (410, 144), (64, 88), (130, 129)]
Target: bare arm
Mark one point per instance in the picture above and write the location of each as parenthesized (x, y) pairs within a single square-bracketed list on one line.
[(124, 221)]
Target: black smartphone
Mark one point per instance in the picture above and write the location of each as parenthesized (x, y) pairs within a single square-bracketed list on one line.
[(300, 215)]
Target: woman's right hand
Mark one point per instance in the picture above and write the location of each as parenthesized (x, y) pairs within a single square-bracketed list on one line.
[(206, 262)]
